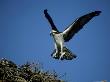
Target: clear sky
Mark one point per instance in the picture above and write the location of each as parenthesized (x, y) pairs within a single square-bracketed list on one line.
[(24, 36)]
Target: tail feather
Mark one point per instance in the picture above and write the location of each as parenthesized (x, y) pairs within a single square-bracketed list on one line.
[(67, 56)]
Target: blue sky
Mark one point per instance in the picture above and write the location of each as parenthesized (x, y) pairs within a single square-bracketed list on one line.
[(24, 36)]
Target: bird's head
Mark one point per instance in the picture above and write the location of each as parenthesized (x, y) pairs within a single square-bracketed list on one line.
[(53, 32)]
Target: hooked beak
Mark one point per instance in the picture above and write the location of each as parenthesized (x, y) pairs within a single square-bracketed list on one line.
[(50, 33)]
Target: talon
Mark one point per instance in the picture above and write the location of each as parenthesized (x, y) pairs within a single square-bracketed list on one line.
[(54, 56), (62, 54)]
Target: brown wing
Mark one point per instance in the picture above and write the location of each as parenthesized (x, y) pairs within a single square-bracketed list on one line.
[(78, 24), (50, 20)]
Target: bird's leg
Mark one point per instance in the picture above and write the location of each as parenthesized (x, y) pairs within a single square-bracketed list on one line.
[(56, 51), (62, 52)]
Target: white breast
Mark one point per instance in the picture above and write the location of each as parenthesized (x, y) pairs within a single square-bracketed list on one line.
[(58, 38)]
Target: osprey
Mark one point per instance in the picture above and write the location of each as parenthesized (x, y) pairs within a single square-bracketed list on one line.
[(61, 52)]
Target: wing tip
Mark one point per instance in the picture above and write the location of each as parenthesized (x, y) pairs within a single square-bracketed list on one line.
[(45, 10), (97, 13)]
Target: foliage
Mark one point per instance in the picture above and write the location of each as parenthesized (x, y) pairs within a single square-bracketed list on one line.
[(29, 72)]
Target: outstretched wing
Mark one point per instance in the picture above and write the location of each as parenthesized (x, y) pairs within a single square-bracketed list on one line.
[(69, 32), (50, 20)]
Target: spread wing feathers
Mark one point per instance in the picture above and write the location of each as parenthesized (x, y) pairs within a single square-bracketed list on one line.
[(69, 32), (50, 20)]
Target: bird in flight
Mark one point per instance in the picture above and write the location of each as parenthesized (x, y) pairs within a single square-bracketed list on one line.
[(61, 51)]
